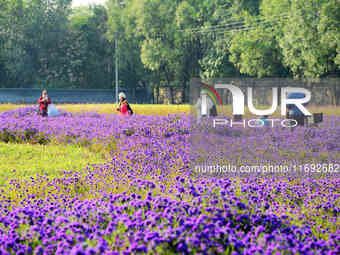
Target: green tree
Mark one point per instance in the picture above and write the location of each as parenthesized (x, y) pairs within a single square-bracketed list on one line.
[(255, 49), (121, 24), (12, 54), (34, 31), (329, 30), (45, 35), (301, 43), (160, 50), (203, 23), (90, 56)]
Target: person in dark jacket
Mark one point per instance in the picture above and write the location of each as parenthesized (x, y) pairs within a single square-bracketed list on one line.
[(43, 102)]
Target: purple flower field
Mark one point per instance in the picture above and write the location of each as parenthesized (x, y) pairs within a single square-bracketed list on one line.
[(148, 200)]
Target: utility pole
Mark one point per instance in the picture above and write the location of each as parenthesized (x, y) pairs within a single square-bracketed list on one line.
[(116, 54), (116, 67), (116, 61)]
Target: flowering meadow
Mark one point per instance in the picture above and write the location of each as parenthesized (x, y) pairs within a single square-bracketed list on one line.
[(146, 198)]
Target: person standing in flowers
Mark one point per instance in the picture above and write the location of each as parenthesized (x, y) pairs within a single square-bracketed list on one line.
[(124, 107), (43, 102)]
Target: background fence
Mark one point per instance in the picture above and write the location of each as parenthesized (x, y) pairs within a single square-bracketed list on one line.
[(67, 96)]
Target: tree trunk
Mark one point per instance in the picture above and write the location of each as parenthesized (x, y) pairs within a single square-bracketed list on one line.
[(171, 90), (157, 94), (337, 95), (184, 91)]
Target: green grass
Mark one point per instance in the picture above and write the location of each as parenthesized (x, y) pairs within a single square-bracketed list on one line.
[(19, 161), (139, 109), (157, 109)]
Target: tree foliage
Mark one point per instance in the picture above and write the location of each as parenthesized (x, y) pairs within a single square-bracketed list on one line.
[(46, 43)]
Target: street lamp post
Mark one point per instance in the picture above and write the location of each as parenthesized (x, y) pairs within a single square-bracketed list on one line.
[(116, 67), (116, 54), (116, 60)]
